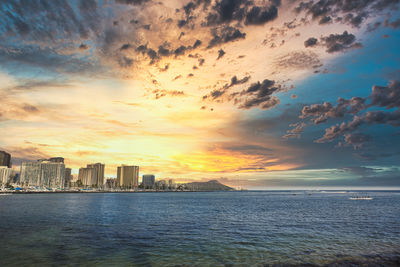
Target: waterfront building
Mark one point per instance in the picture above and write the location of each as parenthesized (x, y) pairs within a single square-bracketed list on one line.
[(88, 176), (92, 175), (43, 174), (148, 180), (5, 159), (5, 175), (162, 185), (111, 183), (128, 176), (99, 173), (68, 177)]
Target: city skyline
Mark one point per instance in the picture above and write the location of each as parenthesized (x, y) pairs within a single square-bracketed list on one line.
[(258, 94)]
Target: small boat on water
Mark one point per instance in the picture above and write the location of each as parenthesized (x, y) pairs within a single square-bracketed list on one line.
[(361, 198)]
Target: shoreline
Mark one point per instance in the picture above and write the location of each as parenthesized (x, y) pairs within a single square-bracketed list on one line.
[(17, 192), (104, 192)]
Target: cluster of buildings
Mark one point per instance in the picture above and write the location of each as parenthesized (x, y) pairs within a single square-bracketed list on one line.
[(49, 173), (93, 176), (52, 173)]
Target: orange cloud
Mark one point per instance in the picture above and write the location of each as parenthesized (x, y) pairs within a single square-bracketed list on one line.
[(221, 160)]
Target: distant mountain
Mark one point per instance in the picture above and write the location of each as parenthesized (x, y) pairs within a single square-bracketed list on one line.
[(212, 185)]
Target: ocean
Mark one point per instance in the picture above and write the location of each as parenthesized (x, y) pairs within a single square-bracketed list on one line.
[(245, 228)]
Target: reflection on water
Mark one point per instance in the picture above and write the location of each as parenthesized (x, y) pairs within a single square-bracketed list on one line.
[(203, 229)]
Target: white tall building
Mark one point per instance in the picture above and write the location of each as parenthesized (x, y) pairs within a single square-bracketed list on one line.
[(5, 175), (43, 174)]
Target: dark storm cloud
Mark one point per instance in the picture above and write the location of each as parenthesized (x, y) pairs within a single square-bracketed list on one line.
[(165, 51), (259, 16), (339, 42), (151, 53), (337, 130), (180, 50), (335, 42), (196, 44), (298, 128), (370, 117), (381, 97), (84, 47), (321, 112), (386, 96), (225, 35), (188, 11), (162, 93), (325, 20), (352, 12), (259, 95), (221, 53), (201, 61), (354, 20), (125, 47), (227, 11), (215, 94), (310, 42), (357, 140)]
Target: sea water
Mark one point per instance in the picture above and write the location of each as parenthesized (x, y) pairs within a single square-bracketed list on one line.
[(247, 228)]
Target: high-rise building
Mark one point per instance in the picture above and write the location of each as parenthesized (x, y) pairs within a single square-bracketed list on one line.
[(88, 176), (43, 174), (92, 175), (128, 176), (5, 175), (68, 177), (148, 180), (99, 173), (5, 159)]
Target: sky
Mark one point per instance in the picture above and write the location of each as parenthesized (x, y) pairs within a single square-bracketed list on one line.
[(256, 94)]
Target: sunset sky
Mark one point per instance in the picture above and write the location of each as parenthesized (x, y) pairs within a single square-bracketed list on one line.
[(259, 94)]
